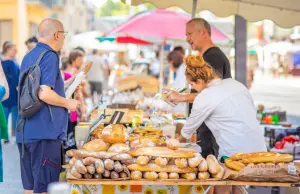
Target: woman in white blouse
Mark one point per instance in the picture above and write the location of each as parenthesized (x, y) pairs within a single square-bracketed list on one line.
[(175, 61), (226, 107)]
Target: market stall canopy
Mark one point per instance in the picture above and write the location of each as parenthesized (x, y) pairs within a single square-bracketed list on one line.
[(282, 12), (124, 40), (88, 40), (159, 23)]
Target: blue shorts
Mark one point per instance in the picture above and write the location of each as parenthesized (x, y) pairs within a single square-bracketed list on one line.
[(40, 164)]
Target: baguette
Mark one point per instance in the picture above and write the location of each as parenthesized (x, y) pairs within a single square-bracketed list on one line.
[(235, 165), (85, 154), (80, 167), (173, 175), (156, 168), (143, 160), (189, 176), (119, 148), (213, 165), (181, 162), (161, 161), (220, 174), (150, 175), (163, 152), (88, 161), (136, 175), (275, 158), (163, 175), (203, 167), (241, 156), (195, 161), (203, 176), (121, 157), (91, 169)]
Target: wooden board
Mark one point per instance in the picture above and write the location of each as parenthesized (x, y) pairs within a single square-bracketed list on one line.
[(178, 182), (146, 182)]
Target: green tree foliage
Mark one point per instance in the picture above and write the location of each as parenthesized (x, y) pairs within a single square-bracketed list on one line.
[(112, 8)]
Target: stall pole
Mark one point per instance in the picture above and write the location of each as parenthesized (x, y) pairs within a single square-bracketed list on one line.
[(162, 61), (240, 45)]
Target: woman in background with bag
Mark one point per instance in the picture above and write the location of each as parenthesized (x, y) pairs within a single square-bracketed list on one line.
[(4, 94)]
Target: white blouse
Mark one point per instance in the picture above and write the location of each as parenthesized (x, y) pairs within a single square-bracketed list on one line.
[(227, 108), (180, 82)]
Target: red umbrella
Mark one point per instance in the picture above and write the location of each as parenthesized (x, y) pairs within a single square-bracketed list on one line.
[(132, 40), (159, 23)]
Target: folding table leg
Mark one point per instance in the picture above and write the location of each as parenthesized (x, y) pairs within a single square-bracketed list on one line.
[(243, 190), (207, 190)]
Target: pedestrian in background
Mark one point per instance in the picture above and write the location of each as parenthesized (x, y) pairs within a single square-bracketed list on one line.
[(43, 133), (4, 93), (31, 43), (11, 71), (98, 74)]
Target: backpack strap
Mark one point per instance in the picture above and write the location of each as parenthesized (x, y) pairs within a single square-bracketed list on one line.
[(38, 63)]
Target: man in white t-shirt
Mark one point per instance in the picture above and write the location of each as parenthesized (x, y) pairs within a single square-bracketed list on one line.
[(98, 74)]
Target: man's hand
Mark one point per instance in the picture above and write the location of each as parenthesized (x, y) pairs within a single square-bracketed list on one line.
[(173, 96), (181, 139), (73, 105)]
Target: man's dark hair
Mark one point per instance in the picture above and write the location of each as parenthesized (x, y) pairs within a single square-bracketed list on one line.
[(64, 63), (80, 48), (157, 54), (31, 40), (179, 49), (95, 51), (74, 54), (175, 58), (201, 23)]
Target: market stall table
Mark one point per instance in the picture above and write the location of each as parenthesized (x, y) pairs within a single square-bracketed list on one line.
[(188, 184)]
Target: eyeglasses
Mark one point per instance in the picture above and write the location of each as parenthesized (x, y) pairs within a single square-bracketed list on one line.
[(65, 33)]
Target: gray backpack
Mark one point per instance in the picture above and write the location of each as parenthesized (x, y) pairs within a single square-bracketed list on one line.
[(28, 93)]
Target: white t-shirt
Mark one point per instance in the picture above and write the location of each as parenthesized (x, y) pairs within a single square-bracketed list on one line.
[(96, 73), (227, 108)]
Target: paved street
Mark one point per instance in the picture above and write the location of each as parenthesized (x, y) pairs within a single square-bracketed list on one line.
[(283, 93)]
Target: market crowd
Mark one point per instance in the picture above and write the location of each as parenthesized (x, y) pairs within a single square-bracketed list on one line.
[(41, 138)]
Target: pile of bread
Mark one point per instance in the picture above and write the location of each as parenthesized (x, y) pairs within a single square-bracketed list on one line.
[(173, 162), (240, 160), (102, 158), (152, 134)]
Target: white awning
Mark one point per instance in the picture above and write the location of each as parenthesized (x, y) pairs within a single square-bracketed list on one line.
[(285, 13)]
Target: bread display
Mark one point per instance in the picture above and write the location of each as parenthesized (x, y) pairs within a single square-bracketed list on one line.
[(115, 133), (173, 144), (96, 145), (181, 162), (136, 175), (163, 152), (258, 166), (189, 176), (235, 165), (146, 137), (213, 165), (195, 161), (263, 158), (161, 161), (173, 175), (163, 175), (203, 166), (150, 175), (156, 168), (119, 148), (203, 176)]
